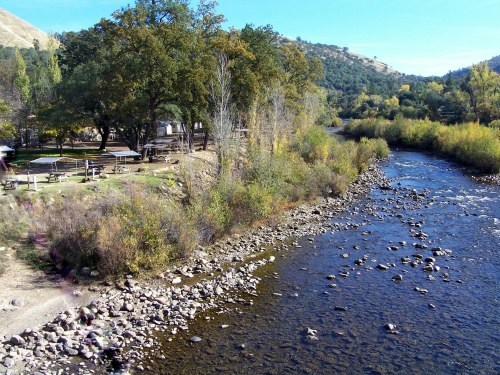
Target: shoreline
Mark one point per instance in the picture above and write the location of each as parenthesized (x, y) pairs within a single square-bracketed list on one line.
[(129, 312)]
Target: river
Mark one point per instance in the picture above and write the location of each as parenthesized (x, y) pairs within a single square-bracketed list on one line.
[(342, 286)]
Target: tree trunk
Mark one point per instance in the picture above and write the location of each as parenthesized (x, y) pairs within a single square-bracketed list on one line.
[(205, 139), (191, 137), (104, 132)]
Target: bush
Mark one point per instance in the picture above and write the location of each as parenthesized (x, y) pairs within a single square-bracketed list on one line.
[(495, 124), (336, 122), (14, 218), (342, 160), (312, 144), (254, 203), (471, 144), (121, 232), (213, 212)]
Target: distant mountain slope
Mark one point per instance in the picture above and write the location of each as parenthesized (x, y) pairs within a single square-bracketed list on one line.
[(16, 32), (494, 64), (325, 51), (347, 74)]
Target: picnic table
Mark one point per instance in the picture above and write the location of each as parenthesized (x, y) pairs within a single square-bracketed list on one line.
[(164, 157), (10, 184), (57, 177), (121, 169), (97, 168)]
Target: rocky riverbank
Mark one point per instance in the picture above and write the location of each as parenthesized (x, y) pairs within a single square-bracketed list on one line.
[(124, 316)]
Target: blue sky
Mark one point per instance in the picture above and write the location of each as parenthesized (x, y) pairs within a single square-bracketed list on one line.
[(427, 37)]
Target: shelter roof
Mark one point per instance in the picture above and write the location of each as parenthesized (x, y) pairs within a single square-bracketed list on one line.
[(118, 154), (49, 160), (6, 149)]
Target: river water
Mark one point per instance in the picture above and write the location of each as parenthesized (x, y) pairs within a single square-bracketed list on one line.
[(445, 322)]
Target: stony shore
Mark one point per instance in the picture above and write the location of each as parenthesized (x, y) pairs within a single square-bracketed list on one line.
[(127, 313)]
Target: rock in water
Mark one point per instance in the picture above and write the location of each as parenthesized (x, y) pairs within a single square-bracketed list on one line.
[(195, 339), (390, 326)]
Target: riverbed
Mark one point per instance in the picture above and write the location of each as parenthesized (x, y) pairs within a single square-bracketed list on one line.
[(405, 282)]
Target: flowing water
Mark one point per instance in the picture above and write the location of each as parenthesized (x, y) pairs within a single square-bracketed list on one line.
[(446, 321)]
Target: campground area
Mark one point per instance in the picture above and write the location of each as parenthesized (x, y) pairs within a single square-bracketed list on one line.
[(82, 165)]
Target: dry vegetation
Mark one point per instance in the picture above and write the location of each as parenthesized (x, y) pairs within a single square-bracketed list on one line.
[(17, 32), (146, 220)]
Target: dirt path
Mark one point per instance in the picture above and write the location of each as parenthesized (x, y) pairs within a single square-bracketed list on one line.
[(29, 297)]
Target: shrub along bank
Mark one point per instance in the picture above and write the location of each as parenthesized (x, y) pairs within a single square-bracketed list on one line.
[(134, 228), (471, 144)]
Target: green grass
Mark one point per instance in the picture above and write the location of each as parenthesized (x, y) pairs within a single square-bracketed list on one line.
[(33, 258), (3, 263)]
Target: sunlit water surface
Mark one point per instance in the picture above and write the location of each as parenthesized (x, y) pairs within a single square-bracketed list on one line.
[(453, 329)]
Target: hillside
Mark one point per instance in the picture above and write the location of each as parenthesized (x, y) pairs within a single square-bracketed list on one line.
[(325, 51), (16, 32), (494, 64), (347, 74)]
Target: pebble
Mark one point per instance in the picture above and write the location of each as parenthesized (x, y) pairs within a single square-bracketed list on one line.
[(17, 340), (195, 339), (16, 302)]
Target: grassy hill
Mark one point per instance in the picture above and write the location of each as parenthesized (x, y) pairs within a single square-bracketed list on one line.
[(16, 32)]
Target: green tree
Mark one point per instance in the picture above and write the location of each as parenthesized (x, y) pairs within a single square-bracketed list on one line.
[(7, 130), (84, 63), (57, 121), (434, 99), (483, 87), (147, 46), (21, 78)]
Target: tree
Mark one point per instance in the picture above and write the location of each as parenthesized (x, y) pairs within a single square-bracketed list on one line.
[(21, 79), (254, 66), (84, 63), (222, 125), (7, 130), (22, 85), (483, 88), (278, 120), (146, 48), (434, 99), (192, 84), (59, 122)]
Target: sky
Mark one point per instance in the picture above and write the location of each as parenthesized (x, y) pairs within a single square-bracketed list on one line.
[(424, 37)]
